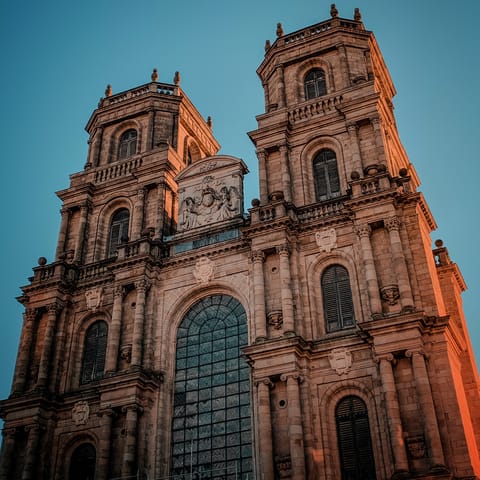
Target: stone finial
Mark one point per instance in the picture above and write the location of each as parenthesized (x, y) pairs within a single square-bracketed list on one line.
[(176, 78), (108, 91), (279, 31), (154, 76), (209, 121), (267, 45), (357, 16), (333, 11)]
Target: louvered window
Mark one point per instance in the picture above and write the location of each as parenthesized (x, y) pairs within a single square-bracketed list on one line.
[(82, 464), (128, 144), (315, 84), (354, 441), (94, 351), (325, 173), (337, 298), (118, 230)]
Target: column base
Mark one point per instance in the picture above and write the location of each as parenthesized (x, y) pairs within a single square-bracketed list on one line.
[(401, 475)]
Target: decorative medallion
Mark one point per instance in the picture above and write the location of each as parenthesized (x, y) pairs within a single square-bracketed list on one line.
[(203, 271), (390, 294), (416, 446), (126, 353), (80, 413), (340, 360), (326, 239), (275, 319), (93, 298)]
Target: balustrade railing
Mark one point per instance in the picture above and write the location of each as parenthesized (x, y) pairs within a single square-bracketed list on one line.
[(119, 169), (319, 106)]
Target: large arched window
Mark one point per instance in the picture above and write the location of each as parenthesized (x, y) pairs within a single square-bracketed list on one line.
[(315, 84), (82, 464), (118, 232), (337, 298), (128, 144), (94, 350), (325, 174), (211, 430), (354, 441)]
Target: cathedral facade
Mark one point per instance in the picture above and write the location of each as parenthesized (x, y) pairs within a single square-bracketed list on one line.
[(314, 335)]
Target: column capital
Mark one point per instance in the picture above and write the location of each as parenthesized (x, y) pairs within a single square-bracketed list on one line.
[(257, 256), (34, 428), (392, 223), (261, 153), (118, 291), (352, 127), (283, 250), (141, 193), (294, 375), (30, 314), (265, 381), (54, 308), (134, 407), (107, 412), (415, 351), (142, 285), (283, 148), (384, 356), (64, 211), (364, 230), (9, 433), (375, 121)]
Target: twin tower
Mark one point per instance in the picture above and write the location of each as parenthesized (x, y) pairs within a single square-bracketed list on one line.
[(314, 335)]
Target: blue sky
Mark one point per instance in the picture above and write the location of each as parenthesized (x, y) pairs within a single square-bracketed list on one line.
[(57, 57)]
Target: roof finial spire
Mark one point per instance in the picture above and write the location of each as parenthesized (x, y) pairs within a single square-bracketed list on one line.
[(176, 78), (279, 30), (154, 76), (333, 11), (108, 91), (267, 45), (357, 16)]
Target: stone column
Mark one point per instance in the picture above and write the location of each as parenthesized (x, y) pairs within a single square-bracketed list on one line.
[(114, 330), (160, 210), (80, 243), (295, 428), (265, 429), (427, 407), (262, 175), (23, 356), (356, 156), (286, 290), (377, 133), (138, 214), (138, 323), (62, 235), (94, 154), (31, 452), (364, 232), (43, 369), (103, 461), (6, 456), (393, 413), (281, 87), (151, 125), (286, 179), (260, 322), (399, 263), (130, 445)]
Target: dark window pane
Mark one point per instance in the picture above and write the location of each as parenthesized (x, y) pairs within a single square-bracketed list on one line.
[(315, 84), (325, 173), (95, 348), (128, 144), (118, 232), (82, 463)]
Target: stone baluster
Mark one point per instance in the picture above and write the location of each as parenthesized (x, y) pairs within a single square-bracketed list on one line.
[(377, 133), (138, 323), (427, 407), (399, 263), (31, 452), (138, 214), (103, 462), (260, 321), (393, 413), (286, 179), (364, 232), (262, 175), (23, 356), (295, 428), (286, 290), (113, 346), (43, 369), (130, 445), (62, 235), (356, 155), (80, 243), (265, 429), (6, 455)]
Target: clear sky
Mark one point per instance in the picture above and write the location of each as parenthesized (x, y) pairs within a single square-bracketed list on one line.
[(58, 56)]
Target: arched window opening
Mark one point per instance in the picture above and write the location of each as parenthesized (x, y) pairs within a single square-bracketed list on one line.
[(94, 350), (315, 84), (82, 463), (118, 230), (128, 144), (325, 174), (354, 441), (337, 298), (211, 429)]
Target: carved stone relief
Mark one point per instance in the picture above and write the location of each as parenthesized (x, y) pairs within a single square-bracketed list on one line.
[(80, 413), (390, 294), (340, 360), (93, 298), (326, 239), (203, 271)]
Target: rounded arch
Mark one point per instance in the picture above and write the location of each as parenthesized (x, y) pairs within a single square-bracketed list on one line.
[(122, 201), (329, 402), (67, 450), (116, 135), (307, 156), (303, 70), (192, 151), (314, 275)]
